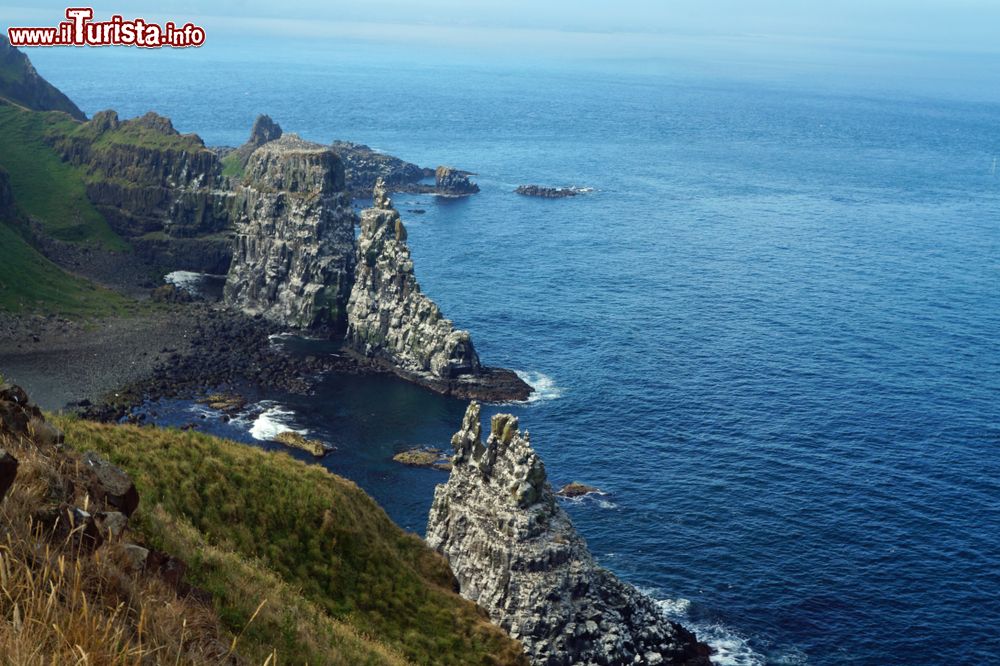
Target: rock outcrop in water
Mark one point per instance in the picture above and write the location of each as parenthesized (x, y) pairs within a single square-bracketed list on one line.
[(546, 192), (392, 323), (21, 84), (294, 253), (364, 166), (516, 553), (452, 182)]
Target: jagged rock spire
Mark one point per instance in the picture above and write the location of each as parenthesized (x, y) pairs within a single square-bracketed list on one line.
[(380, 196), (389, 319), (515, 552), (264, 130)]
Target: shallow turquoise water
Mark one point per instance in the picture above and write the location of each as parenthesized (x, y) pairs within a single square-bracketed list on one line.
[(770, 334)]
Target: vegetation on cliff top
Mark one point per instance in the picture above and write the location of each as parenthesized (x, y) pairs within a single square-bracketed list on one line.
[(46, 188), (334, 569)]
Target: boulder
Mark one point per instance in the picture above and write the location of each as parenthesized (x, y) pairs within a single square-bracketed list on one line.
[(111, 484)]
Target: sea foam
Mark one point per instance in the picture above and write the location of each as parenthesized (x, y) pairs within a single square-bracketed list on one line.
[(274, 420), (545, 387)]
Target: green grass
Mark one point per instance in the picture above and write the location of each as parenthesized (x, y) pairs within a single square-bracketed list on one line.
[(44, 186), (256, 525), (31, 283), (135, 133), (232, 165)]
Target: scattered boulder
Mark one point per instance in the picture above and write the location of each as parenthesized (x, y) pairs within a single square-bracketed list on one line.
[(111, 523), (224, 402), (136, 556), (515, 552), (454, 183), (298, 441), (111, 484), (8, 472)]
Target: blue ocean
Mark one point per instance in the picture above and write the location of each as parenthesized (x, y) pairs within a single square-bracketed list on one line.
[(770, 334)]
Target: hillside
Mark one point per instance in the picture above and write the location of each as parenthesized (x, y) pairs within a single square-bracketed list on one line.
[(20, 83), (253, 557), (333, 567), (44, 187)]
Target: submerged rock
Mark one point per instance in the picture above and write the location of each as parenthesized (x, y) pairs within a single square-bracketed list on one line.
[(515, 552), (299, 441), (423, 457), (294, 251), (546, 192), (452, 182), (577, 489)]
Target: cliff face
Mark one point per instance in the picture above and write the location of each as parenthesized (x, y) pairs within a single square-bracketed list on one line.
[(20, 83), (516, 553), (388, 316), (294, 252), (144, 176)]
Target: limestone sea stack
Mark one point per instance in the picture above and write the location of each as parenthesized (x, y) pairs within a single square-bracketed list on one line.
[(515, 553), (394, 325), (294, 251)]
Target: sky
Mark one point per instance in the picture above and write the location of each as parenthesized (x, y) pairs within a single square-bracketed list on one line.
[(928, 43)]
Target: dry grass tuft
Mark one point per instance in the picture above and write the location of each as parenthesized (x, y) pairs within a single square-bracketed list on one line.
[(61, 603)]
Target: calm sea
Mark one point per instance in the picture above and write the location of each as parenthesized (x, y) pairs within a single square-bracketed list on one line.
[(770, 333)]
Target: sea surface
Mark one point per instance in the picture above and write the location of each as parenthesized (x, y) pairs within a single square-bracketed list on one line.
[(771, 334)]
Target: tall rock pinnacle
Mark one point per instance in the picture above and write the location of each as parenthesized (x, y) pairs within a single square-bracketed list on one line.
[(516, 554)]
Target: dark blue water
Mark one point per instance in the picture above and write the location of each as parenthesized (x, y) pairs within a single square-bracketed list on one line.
[(771, 333)]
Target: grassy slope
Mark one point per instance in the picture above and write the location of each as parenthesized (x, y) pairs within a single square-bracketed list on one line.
[(256, 525), (31, 283), (46, 187)]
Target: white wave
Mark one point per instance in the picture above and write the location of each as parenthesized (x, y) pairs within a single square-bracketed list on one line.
[(187, 280), (729, 647), (273, 421), (545, 387)]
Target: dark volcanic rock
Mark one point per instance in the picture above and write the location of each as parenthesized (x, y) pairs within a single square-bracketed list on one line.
[(8, 472), (451, 182), (20, 83), (364, 166), (393, 324), (546, 192), (515, 552), (264, 129), (294, 252), (111, 484)]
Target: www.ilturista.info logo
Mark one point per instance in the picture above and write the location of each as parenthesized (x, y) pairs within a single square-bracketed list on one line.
[(80, 30)]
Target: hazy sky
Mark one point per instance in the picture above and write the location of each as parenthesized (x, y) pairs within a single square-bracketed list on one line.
[(932, 42)]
